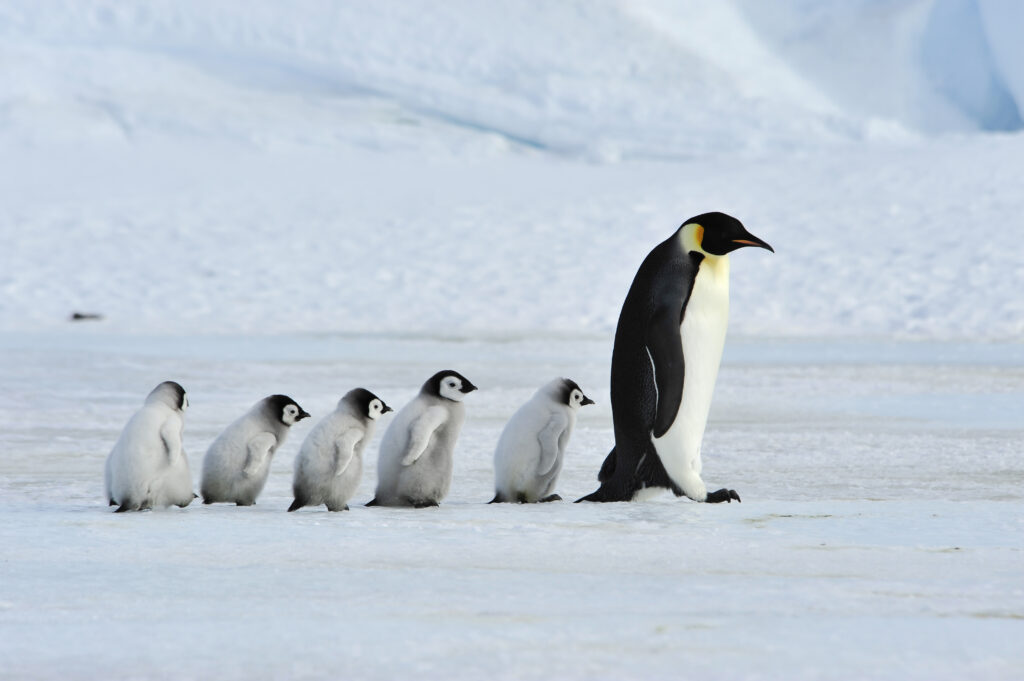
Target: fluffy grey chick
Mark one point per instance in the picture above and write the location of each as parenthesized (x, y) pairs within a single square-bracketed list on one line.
[(147, 467), (330, 463), (236, 465), (415, 463)]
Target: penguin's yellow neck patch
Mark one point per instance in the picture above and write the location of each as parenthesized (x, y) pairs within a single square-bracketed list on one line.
[(692, 235)]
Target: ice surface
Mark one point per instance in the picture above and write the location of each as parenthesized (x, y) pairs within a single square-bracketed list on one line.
[(879, 536), (302, 198)]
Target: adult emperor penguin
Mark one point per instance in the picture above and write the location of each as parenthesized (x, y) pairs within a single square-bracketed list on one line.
[(531, 448), (330, 463), (668, 345), (236, 465), (147, 467), (414, 467)]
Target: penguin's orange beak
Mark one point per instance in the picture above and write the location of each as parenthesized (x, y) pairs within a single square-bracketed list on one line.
[(751, 240)]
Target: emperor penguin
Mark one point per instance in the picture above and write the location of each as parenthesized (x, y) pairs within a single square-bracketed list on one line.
[(668, 345), (414, 467), (330, 463), (531, 448), (147, 467), (236, 465)]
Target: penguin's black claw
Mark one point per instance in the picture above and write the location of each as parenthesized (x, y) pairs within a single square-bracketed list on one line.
[(726, 495)]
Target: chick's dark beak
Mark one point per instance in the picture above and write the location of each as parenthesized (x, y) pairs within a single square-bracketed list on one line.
[(467, 387), (386, 409), (586, 401), (303, 414), (751, 240)]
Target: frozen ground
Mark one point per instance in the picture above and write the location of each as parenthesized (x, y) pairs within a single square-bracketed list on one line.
[(301, 198), (880, 534)]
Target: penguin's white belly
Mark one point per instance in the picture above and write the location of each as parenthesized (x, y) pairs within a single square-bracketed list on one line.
[(703, 337)]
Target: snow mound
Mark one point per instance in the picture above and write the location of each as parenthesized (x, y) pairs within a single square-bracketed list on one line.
[(502, 168), (600, 79)]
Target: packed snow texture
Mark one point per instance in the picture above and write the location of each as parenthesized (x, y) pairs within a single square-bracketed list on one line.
[(879, 535), (306, 197)]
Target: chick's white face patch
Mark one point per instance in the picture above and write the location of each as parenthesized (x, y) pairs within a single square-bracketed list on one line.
[(576, 399), (376, 409), (451, 388), (290, 412)]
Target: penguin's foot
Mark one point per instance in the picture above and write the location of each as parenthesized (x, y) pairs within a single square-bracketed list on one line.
[(552, 497), (498, 499), (423, 504), (721, 495)]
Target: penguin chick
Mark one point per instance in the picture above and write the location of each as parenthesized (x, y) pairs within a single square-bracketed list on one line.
[(236, 465), (147, 467), (414, 467), (532, 446), (330, 463)]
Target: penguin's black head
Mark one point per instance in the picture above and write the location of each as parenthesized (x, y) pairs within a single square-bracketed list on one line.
[(171, 394), (367, 404), (718, 234), (285, 409), (572, 394), (449, 384)]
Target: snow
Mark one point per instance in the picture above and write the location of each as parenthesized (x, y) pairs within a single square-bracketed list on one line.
[(261, 198), (879, 534)]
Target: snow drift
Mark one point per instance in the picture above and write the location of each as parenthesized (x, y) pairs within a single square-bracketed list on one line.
[(464, 168)]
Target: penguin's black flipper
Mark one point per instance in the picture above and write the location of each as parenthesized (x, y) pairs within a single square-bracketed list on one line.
[(498, 499), (373, 502), (665, 345), (297, 504), (721, 495)]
